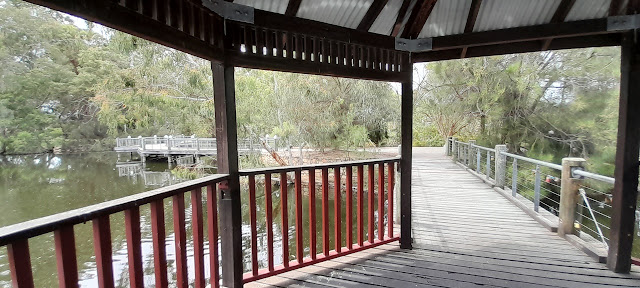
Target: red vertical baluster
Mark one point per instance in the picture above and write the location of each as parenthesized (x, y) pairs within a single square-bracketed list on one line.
[(20, 264), (134, 250), (370, 201), (212, 214), (102, 249), (159, 249), (349, 200), (381, 201), (325, 211), (390, 170), (312, 213), (180, 241), (198, 238), (285, 219), (254, 234), (269, 208), (360, 214), (66, 257), (337, 208), (299, 237)]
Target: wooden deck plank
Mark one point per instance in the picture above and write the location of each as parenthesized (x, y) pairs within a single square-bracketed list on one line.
[(465, 235)]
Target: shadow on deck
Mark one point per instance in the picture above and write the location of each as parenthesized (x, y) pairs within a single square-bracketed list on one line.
[(465, 235)]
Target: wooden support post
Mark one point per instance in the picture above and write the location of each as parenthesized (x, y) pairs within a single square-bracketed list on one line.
[(227, 155), (447, 146), (454, 148), (405, 163), (569, 195), (501, 165), (626, 172), (470, 153)]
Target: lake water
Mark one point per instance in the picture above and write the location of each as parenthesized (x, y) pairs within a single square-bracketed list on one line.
[(37, 186)]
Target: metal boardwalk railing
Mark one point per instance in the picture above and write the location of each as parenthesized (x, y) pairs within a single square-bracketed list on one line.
[(539, 184)]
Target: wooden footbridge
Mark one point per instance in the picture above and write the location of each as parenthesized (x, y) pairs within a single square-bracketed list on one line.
[(176, 146), (465, 234)]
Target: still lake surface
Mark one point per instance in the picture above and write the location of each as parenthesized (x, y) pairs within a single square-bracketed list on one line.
[(36, 186)]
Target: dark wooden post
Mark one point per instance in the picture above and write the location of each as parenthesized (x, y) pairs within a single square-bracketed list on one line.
[(626, 171), (405, 163), (227, 144)]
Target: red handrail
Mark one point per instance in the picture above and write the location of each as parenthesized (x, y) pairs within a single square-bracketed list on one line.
[(340, 246), (16, 237)]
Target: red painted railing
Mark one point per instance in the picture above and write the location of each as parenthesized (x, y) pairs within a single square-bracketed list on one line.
[(16, 237), (306, 254)]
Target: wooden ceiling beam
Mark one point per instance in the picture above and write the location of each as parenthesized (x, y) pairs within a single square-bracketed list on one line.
[(293, 7), (418, 18), (561, 14), (520, 47), (372, 14), (397, 26), (522, 34)]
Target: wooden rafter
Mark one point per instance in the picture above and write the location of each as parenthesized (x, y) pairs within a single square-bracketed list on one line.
[(372, 14), (561, 14), (615, 7), (473, 15), (471, 21), (292, 7), (397, 26), (418, 17), (633, 7)]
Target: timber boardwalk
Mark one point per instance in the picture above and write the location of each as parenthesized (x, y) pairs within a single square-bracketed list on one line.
[(465, 235)]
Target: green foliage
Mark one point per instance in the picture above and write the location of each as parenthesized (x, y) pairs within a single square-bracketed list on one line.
[(427, 136), (70, 87), (548, 105)]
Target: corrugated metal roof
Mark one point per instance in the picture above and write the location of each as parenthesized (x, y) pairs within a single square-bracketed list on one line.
[(500, 14), (386, 19), (347, 13), (588, 9), (447, 18), (277, 6)]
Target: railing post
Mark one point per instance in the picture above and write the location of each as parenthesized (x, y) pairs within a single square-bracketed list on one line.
[(569, 195), (448, 146), (487, 170), (454, 148), (514, 178), (501, 165), (536, 190), (227, 155), (470, 152)]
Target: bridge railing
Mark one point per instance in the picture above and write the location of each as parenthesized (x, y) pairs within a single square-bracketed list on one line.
[(363, 192), (16, 237), (540, 184), (191, 143)]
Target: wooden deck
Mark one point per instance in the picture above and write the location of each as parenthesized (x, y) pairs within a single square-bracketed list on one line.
[(465, 235)]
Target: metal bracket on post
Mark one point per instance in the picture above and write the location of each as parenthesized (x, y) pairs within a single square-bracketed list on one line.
[(230, 10), (573, 173), (414, 45), (624, 22)]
